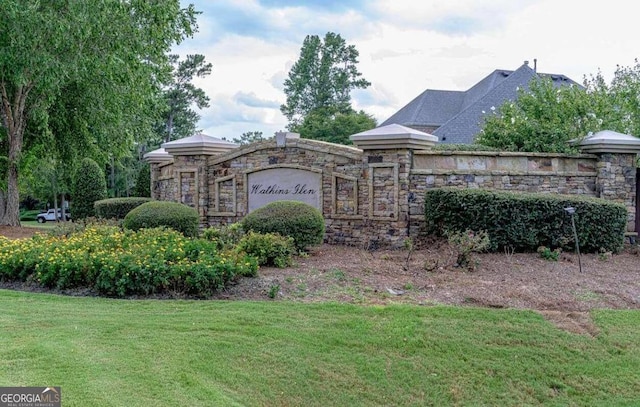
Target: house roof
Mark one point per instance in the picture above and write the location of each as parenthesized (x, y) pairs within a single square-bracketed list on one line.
[(458, 115)]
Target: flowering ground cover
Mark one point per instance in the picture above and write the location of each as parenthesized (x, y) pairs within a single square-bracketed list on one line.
[(120, 263)]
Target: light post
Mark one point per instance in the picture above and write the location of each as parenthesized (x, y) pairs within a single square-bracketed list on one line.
[(571, 210)]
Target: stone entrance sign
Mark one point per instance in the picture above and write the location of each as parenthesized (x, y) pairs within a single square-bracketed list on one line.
[(373, 192), (284, 184)]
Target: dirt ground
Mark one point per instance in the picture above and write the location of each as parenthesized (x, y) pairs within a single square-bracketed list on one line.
[(429, 276)]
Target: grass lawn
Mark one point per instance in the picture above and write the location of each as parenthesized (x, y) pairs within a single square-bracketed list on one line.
[(35, 224), (213, 353)]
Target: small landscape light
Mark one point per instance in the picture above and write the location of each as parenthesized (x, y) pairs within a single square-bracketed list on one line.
[(571, 211)]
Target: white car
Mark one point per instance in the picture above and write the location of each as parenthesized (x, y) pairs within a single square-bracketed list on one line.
[(50, 216)]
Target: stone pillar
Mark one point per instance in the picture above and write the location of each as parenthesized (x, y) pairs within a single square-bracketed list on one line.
[(157, 159), (616, 168), (189, 172), (387, 159)]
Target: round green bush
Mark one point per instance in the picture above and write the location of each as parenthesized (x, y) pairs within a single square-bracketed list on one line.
[(89, 186), (117, 208), (301, 221), (162, 213)]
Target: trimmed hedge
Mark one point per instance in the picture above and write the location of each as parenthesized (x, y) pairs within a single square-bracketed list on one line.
[(30, 215), (117, 208), (301, 221), (525, 222), (162, 213)]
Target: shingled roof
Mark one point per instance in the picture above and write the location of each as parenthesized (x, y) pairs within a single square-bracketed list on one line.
[(457, 116)]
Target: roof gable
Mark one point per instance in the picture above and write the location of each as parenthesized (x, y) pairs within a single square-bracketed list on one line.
[(431, 107), (465, 125), (459, 116)]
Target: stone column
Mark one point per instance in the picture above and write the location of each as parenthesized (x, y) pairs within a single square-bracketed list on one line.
[(190, 169), (616, 168), (387, 157), (157, 159)]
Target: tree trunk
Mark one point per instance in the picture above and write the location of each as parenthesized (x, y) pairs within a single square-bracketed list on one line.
[(169, 127), (3, 203), (55, 206), (12, 213), (14, 120)]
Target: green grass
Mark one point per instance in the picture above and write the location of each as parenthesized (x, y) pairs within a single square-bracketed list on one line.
[(213, 353), (35, 224)]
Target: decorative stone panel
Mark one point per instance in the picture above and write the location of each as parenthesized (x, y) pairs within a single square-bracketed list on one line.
[(224, 196), (383, 191), (344, 197)]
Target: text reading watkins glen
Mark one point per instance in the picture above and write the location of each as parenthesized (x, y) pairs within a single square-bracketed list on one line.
[(275, 189)]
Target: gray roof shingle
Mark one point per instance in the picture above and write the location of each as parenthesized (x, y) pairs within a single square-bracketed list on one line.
[(459, 115)]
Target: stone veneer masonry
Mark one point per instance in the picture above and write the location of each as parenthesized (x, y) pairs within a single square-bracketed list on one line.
[(376, 197)]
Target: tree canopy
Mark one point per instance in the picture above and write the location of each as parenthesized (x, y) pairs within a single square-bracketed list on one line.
[(249, 137), (83, 76), (179, 119), (545, 118), (331, 125), (322, 78)]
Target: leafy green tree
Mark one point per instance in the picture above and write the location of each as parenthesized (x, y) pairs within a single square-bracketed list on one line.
[(322, 78), (89, 186), (47, 181), (143, 182), (249, 137), (86, 73), (326, 124), (180, 94), (545, 118)]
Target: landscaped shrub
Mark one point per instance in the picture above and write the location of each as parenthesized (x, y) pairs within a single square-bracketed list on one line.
[(301, 221), (117, 208), (29, 215), (270, 249), (525, 222), (69, 228), (466, 243), (162, 213), (143, 182), (122, 263), (89, 186), (226, 237)]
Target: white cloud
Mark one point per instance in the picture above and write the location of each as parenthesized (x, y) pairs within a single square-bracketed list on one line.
[(405, 47)]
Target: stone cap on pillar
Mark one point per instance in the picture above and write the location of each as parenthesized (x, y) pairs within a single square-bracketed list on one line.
[(159, 156), (608, 141), (198, 144), (393, 136)]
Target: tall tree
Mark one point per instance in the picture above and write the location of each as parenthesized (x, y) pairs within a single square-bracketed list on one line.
[(112, 54), (179, 119), (322, 78), (249, 137)]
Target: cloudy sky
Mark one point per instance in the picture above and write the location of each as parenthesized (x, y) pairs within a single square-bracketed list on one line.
[(406, 46)]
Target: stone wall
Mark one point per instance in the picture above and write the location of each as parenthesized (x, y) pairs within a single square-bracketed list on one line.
[(517, 172), (375, 196), (360, 195)]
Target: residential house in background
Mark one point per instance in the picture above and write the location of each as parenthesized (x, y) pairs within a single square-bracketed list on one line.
[(457, 117)]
